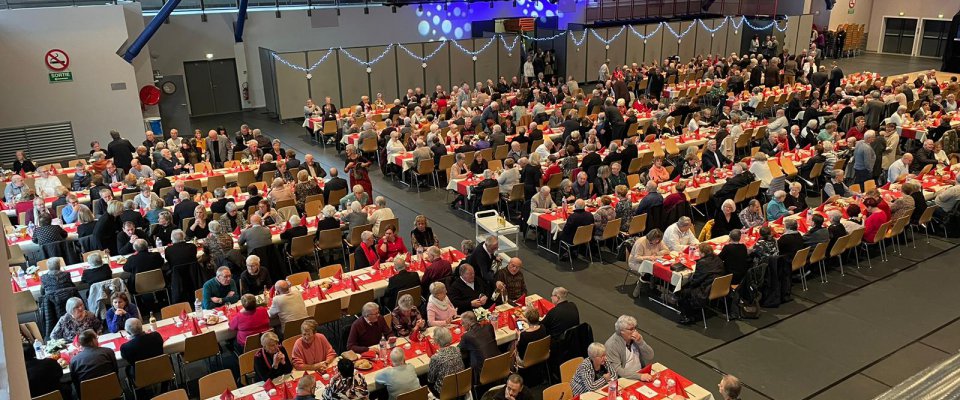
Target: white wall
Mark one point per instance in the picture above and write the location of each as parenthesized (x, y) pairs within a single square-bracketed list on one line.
[(186, 38), (91, 37), (861, 14), (872, 12)]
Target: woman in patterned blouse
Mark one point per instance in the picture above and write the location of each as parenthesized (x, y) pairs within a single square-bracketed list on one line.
[(406, 317), (348, 385), (445, 361), (592, 374), (76, 320)]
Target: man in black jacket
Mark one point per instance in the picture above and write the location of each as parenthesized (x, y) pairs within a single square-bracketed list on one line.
[(334, 183), (219, 206), (561, 317), (483, 257), (579, 217), (696, 291), (478, 343), (185, 209), (140, 346), (43, 375), (486, 183), (735, 258), (791, 241), (468, 291), (741, 178), (142, 261), (591, 162), (711, 158), (127, 237), (121, 151), (403, 280), (615, 119)]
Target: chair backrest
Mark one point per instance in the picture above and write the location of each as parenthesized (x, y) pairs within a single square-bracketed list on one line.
[(101, 388), (554, 182), (174, 310), (720, 287), (900, 224), (179, 394), (252, 342), (357, 300), (638, 224), (537, 352), (290, 341), (214, 384), (495, 368), (881, 232), (800, 259), (384, 224), (329, 271), (839, 246), (54, 395), (819, 252), (611, 229), (149, 282), (568, 369), (583, 235), (926, 216), (153, 370), (559, 391), (298, 278), (246, 364), (417, 394), (425, 166), (495, 165), (292, 328), (200, 347), (450, 388), (327, 311), (855, 238), (302, 246), (335, 195), (313, 207), (329, 239), (25, 303), (414, 292), (446, 161)]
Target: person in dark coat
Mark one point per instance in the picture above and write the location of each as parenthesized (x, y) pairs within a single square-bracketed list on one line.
[(121, 150), (366, 253), (141, 261), (816, 235), (561, 317), (41, 374), (711, 158), (579, 217), (139, 346), (483, 257), (93, 361), (791, 241), (695, 293), (334, 183), (741, 178), (736, 261), (468, 291), (184, 272), (403, 280), (478, 343)]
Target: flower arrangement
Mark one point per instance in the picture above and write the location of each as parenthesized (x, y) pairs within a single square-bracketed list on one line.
[(481, 313), (54, 346)]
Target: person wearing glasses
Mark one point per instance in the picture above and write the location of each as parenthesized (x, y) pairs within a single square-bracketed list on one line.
[(561, 317), (627, 353)]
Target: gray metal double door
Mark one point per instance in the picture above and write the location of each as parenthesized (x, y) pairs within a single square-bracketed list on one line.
[(212, 86)]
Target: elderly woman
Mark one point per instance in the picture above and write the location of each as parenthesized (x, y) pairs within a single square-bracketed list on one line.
[(121, 311), (252, 320), (130, 185), (761, 170), (284, 173), (624, 208), (725, 219), (268, 215), (156, 207), (658, 173), (349, 384), (649, 247), (219, 243), (233, 218), (691, 165), (46, 233), (356, 166), (328, 220), (776, 208), (355, 216), (279, 191), (358, 194), (565, 192), (601, 184), (163, 229), (592, 374), (306, 187), (381, 213), (422, 235), (55, 279), (479, 164), (272, 360), (440, 311), (86, 221), (532, 333), (796, 200), (76, 320), (390, 244), (200, 227), (752, 215), (444, 362), (406, 317), (602, 216), (312, 351)]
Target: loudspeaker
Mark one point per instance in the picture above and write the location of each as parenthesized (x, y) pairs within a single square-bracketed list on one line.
[(830, 4), (705, 5)]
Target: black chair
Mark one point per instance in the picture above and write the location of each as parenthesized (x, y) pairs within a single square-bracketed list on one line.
[(272, 259), (89, 243), (64, 249), (184, 280), (571, 343)]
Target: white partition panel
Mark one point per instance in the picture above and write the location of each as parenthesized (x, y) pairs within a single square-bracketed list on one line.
[(291, 85)]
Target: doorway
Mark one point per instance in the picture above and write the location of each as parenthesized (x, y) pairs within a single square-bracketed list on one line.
[(212, 86), (899, 35), (934, 38)]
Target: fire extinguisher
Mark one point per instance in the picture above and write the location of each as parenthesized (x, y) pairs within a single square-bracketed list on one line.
[(246, 92)]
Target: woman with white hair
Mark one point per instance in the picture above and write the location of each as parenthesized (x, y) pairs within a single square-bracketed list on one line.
[(796, 199), (761, 170), (382, 213), (272, 360), (726, 219), (406, 317), (327, 219), (355, 216), (592, 373), (444, 362), (776, 208), (440, 311), (76, 320), (279, 191)]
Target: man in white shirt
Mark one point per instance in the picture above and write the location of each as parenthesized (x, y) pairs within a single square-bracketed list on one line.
[(46, 184), (897, 117), (680, 235), (899, 167), (287, 304), (780, 122), (174, 142)]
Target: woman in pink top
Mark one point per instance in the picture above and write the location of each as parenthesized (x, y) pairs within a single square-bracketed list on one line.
[(251, 321), (312, 351), (658, 173), (440, 311)]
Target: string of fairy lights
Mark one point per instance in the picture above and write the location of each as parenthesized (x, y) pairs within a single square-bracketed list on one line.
[(510, 44)]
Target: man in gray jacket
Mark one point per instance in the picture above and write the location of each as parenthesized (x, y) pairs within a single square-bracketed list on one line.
[(627, 353), (256, 235)]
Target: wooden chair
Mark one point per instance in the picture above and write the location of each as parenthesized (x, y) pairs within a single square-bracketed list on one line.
[(501, 152), (300, 247), (923, 222), (292, 328), (446, 161), (215, 384), (245, 178), (356, 301), (718, 290), (198, 348), (298, 278), (413, 292), (817, 256), (106, 387), (150, 282), (252, 343), (495, 165), (897, 229), (560, 391), (610, 231), (417, 394), (330, 239), (394, 222), (246, 366), (490, 198), (569, 368), (839, 247), (312, 208), (583, 236), (179, 394), (456, 385), (335, 195), (329, 271), (54, 395), (327, 311), (426, 168), (537, 353), (174, 310), (25, 303), (290, 341), (153, 371), (799, 262), (495, 369)]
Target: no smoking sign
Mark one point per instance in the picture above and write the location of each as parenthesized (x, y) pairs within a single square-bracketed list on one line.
[(57, 60)]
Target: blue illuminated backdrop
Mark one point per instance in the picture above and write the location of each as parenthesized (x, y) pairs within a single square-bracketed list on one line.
[(437, 22)]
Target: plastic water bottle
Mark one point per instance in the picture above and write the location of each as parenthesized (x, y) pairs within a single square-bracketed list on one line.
[(30, 228), (383, 347), (38, 349), (159, 243), (198, 306), (21, 278), (153, 322), (613, 389)]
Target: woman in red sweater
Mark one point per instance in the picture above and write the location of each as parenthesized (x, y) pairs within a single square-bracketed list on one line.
[(252, 320), (312, 351), (390, 244), (875, 218)]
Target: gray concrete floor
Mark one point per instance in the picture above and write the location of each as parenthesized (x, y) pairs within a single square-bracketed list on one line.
[(699, 353)]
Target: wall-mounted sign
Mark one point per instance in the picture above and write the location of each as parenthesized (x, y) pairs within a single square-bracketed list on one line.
[(57, 60), (61, 77)]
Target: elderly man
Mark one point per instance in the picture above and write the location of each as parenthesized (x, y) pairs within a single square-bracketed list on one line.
[(729, 387), (168, 164), (139, 346), (946, 201), (581, 187), (313, 168), (288, 304), (900, 168), (679, 235), (479, 342), (139, 170), (510, 284), (437, 268), (484, 256), (14, 190), (218, 150), (220, 290), (254, 279), (563, 316), (517, 151), (468, 292), (256, 235), (925, 156), (399, 379), (141, 261), (711, 158), (651, 200), (403, 280), (864, 158), (368, 330), (92, 361), (836, 186), (46, 184), (627, 353)]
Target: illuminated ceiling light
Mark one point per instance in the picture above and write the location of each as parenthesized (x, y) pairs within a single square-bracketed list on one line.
[(209, 56)]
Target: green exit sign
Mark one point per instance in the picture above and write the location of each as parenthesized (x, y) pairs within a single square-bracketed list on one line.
[(61, 77)]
